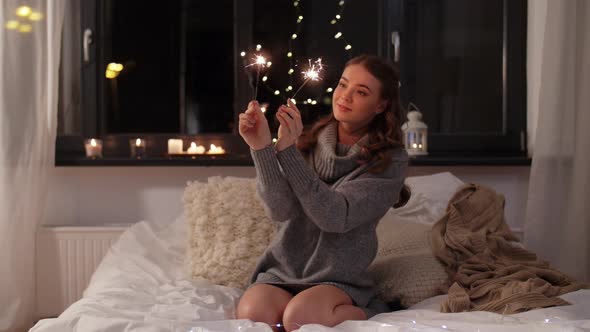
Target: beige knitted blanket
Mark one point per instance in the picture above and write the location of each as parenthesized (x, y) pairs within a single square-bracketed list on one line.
[(487, 269)]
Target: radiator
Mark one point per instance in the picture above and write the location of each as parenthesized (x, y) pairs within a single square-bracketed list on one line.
[(66, 258)]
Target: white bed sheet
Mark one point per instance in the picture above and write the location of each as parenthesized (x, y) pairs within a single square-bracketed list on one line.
[(141, 285)]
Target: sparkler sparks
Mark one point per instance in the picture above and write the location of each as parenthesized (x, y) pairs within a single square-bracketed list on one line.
[(259, 61), (313, 74)]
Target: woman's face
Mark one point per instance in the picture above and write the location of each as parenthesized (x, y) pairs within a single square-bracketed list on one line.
[(357, 98)]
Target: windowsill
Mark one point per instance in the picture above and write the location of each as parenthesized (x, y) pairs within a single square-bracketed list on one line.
[(245, 160)]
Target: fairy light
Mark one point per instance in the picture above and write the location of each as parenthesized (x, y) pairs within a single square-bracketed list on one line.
[(290, 71), (258, 47), (290, 54), (23, 11), (242, 54), (328, 90), (294, 36), (35, 16), (338, 35), (264, 78), (12, 25), (268, 64), (348, 47), (337, 20)]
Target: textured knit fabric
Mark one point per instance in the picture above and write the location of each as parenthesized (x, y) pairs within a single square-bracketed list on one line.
[(487, 272), (326, 209)]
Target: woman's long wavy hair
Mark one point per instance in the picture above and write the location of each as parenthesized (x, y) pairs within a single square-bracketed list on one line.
[(385, 133)]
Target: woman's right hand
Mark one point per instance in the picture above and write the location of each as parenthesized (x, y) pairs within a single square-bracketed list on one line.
[(253, 127)]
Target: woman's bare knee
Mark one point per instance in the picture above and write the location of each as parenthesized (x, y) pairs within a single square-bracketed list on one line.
[(263, 303), (324, 304)]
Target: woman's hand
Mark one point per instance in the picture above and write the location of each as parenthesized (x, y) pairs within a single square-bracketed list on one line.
[(291, 126), (254, 128)]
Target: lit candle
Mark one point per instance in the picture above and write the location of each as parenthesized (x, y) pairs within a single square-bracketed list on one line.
[(215, 149), (137, 147), (93, 148), (194, 149), (174, 146)]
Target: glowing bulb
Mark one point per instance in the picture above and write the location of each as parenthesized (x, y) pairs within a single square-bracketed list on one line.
[(268, 64), (110, 74), (309, 100), (289, 88), (263, 109), (115, 66), (313, 102), (338, 35), (291, 71), (290, 54), (242, 53), (93, 142), (348, 47), (337, 17), (333, 21), (341, 3), (299, 19), (419, 146), (35, 16), (277, 92), (258, 47), (11, 25), (329, 90), (264, 78), (25, 28), (294, 101), (294, 36), (274, 140), (414, 145), (296, 3), (23, 11), (138, 142)]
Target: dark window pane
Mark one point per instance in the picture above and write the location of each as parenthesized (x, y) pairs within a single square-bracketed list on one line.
[(454, 65)]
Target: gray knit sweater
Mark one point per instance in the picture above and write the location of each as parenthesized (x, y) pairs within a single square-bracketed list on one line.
[(326, 209)]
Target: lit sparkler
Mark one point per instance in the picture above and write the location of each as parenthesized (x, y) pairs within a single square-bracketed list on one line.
[(313, 74), (259, 61)]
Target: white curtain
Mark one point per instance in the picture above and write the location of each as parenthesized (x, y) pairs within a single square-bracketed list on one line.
[(29, 61), (557, 225)]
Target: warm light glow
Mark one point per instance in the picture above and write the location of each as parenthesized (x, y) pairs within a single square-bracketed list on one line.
[(274, 140), (313, 102), (215, 149), (258, 60), (291, 71), (309, 100), (23, 11), (348, 47), (337, 17), (194, 149), (138, 142), (93, 142), (296, 3), (277, 92), (338, 35), (25, 28), (264, 78), (414, 145), (35, 16), (419, 146), (294, 101), (258, 47), (341, 3), (268, 64), (115, 66), (290, 54), (289, 88), (11, 25), (294, 36), (110, 74), (329, 90), (333, 21), (263, 109), (313, 73), (299, 19), (242, 53)]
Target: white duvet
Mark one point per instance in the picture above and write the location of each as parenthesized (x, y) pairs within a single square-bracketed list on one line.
[(141, 285)]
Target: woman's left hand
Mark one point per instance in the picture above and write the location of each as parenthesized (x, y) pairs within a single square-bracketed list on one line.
[(291, 126)]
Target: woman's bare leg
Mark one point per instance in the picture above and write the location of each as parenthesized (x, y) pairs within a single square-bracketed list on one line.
[(324, 304), (264, 303)]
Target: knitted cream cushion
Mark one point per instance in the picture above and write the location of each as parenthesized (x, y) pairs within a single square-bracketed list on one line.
[(405, 269), (228, 229)]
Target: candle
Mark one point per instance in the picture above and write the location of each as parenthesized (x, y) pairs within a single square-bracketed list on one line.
[(137, 147), (194, 149), (93, 148), (174, 146), (215, 150)]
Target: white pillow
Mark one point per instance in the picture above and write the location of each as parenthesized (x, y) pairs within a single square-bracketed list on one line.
[(432, 193), (228, 229)]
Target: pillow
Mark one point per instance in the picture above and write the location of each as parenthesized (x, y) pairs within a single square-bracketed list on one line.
[(405, 269), (435, 190), (228, 230)]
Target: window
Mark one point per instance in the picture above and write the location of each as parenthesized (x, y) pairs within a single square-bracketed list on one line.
[(175, 70)]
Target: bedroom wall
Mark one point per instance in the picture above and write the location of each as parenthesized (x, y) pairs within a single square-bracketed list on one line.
[(107, 195)]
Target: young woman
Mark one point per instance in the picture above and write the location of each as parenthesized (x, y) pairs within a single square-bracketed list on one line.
[(326, 190)]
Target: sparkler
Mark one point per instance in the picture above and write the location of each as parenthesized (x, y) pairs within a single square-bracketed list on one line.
[(259, 61), (313, 74)]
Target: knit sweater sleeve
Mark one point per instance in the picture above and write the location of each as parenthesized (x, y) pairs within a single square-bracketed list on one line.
[(366, 198), (275, 192)]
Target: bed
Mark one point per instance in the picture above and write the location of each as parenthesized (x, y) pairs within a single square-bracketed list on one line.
[(143, 284)]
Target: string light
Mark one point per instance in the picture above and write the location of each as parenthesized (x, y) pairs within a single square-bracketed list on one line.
[(337, 21)]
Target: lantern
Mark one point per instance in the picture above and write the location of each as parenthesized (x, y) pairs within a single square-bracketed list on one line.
[(415, 133)]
